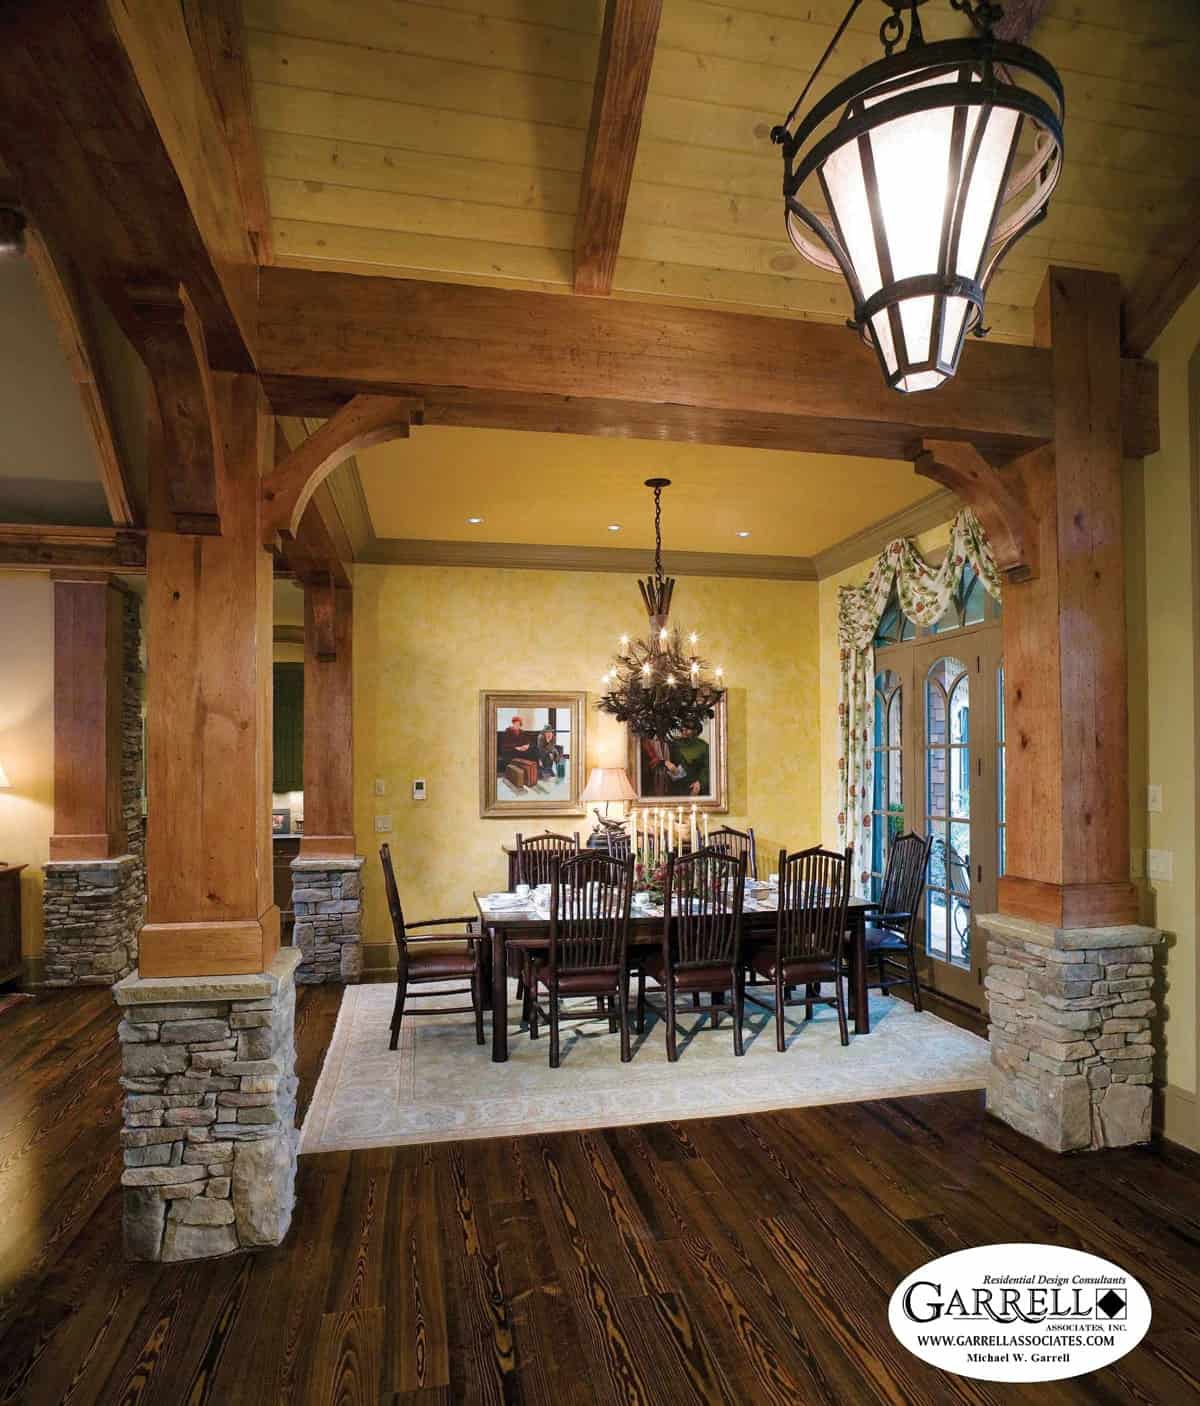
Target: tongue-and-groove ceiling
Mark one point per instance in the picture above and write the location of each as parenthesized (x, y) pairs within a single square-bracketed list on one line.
[(445, 140)]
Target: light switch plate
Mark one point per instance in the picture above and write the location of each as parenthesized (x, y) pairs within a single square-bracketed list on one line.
[(383, 823), (1154, 799), (418, 790), (1160, 864), (380, 786)]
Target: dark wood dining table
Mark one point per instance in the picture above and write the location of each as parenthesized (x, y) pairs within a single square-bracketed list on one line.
[(531, 928)]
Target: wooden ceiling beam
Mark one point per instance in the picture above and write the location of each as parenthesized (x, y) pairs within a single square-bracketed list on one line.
[(217, 32), (41, 547), (60, 284), (117, 156), (622, 78), (522, 360), (1158, 295)]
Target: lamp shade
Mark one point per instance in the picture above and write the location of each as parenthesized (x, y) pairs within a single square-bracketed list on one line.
[(4, 781), (608, 783)]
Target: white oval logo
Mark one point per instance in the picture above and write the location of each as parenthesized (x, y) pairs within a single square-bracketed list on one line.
[(1019, 1313)]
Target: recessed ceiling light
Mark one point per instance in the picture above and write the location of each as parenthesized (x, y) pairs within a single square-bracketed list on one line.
[(743, 534), (474, 521), (614, 527)]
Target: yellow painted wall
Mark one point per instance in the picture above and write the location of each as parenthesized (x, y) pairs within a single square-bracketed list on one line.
[(27, 737), (1161, 506), (428, 639)]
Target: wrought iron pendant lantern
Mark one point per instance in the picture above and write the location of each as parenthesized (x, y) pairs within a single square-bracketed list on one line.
[(916, 175)]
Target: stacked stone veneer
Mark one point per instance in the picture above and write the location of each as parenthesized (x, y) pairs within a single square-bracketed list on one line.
[(93, 909), (209, 1116), (1071, 1036), (327, 902)]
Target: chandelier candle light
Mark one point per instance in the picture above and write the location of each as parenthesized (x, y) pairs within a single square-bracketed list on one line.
[(931, 163)]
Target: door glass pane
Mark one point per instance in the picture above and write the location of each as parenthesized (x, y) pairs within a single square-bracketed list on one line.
[(948, 810), (887, 794), (973, 597)]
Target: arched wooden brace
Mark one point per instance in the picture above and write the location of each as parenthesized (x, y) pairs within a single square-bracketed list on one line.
[(998, 496), (173, 347), (360, 423)]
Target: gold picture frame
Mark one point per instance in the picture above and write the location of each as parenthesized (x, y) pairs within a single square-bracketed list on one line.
[(672, 770), (523, 769)]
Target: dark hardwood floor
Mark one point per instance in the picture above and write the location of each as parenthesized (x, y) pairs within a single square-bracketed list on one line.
[(745, 1259)]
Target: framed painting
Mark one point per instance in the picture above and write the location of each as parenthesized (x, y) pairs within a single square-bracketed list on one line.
[(532, 749), (690, 769)]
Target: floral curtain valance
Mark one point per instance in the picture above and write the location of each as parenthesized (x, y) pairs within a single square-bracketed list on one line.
[(924, 593)]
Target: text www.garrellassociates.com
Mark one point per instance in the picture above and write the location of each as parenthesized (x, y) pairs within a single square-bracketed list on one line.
[(1024, 1340)]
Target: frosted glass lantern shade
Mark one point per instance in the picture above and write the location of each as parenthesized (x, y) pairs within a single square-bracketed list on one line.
[(936, 162)]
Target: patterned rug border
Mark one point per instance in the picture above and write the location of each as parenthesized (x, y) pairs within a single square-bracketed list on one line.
[(312, 1139)]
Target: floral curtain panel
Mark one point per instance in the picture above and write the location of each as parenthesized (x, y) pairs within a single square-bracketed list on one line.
[(924, 593)]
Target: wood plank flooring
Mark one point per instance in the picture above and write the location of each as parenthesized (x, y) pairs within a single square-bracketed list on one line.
[(737, 1259)]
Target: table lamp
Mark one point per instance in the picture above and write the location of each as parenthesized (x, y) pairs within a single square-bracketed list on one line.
[(607, 784)]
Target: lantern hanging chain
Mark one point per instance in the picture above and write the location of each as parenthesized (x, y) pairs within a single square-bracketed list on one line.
[(658, 570), (982, 14), (779, 134)]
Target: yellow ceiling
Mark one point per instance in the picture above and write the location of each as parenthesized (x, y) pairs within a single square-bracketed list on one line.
[(446, 140), (564, 490)]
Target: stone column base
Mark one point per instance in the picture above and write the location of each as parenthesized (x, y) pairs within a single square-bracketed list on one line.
[(210, 1110), (1072, 1049), (92, 910), (327, 902)]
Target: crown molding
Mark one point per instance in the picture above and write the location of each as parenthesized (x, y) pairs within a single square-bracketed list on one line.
[(908, 522), (520, 556)]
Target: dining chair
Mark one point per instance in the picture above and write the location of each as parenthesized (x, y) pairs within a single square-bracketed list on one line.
[(534, 858), (702, 939), (536, 855), (737, 842), (810, 937), (442, 958), (590, 898), (619, 844), (892, 921)]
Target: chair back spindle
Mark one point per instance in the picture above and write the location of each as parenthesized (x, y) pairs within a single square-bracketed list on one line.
[(536, 855), (702, 901), (739, 843), (590, 899), (814, 898)]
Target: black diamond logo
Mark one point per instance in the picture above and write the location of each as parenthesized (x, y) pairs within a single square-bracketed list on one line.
[(1112, 1303)]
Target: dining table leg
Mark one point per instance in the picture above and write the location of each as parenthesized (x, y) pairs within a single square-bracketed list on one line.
[(499, 998), (862, 1005)]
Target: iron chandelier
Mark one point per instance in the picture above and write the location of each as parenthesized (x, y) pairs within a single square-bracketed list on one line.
[(659, 685), (931, 163)]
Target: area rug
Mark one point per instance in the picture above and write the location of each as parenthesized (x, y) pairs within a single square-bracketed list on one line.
[(440, 1086)]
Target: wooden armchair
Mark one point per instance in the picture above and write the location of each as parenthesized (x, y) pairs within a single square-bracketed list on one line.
[(590, 900), (438, 958), (810, 936), (702, 939), (739, 843), (892, 922)]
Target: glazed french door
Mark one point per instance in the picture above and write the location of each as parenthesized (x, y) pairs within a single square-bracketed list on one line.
[(957, 799)]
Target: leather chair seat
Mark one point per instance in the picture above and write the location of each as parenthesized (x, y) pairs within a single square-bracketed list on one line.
[(884, 940), (715, 977), (582, 983), (429, 961), (795, 973)]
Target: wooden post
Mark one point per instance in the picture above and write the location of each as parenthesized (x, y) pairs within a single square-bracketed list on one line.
[(208, 709), (88, 628), (328, 722), (1064, 634)]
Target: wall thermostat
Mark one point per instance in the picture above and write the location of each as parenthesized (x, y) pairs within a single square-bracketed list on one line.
[(418, 790)]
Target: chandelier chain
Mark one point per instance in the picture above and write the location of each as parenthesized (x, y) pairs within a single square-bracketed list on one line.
[(658, 567), (779, 134)]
